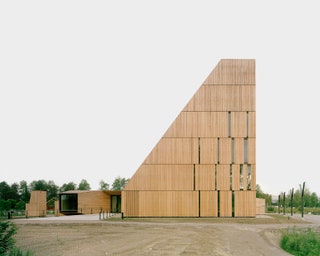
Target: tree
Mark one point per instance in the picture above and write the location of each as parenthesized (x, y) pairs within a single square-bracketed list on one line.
[(52, 193), (4, 190), (260, 194), (24, 191), (84, 185), (103, 185), (39, 185), (14, 192), (119, 183), (68, 186)]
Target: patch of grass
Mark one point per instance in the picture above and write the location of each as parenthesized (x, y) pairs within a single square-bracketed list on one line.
[(19, 252), (268, 219), (301, 242)]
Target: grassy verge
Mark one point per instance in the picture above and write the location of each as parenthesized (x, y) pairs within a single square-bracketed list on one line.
[(303, 242)]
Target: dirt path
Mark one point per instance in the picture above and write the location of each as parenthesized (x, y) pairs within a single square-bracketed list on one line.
[(154, 236)]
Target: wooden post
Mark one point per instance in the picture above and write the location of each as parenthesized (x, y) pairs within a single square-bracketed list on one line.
[(284, 203), (291, 201), (302, 199)]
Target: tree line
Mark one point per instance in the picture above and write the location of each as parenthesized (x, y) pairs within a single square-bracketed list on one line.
[(311, 199), (16, 195)]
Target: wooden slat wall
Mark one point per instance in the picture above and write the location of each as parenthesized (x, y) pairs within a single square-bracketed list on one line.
[(208, 203), (238, 150), (244, 203), (260, 206), (130, 203), (162, 203), (220, 124), (93, 202), (178, 127), (238, 124), (252, 124), (248, 100), (205, 177), (251, 150), (223, 177), (37, 207), (225, 151), (197, 151), (163, 177), (235, 177), (174, 151), (208, 150), (205, 125), (244, 176), (225, 204), (253, 177), (235, 71)]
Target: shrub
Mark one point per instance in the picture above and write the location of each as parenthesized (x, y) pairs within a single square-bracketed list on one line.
[(7, 230), (301, 243)]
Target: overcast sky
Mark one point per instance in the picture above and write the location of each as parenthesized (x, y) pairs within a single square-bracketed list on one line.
[(87, 88)]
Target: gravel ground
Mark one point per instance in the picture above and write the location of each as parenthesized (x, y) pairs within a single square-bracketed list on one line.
[(87, 235)]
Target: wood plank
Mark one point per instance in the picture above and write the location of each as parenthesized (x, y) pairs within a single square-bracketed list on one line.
[(225, 151), (232, 72), (223, 177), (244, 204), (208, 150), (208, 203), (205, 177), (225, 203), (238, 124)]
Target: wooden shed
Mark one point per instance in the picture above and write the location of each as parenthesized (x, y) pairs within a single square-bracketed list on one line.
[(88, 202), (205, 163)]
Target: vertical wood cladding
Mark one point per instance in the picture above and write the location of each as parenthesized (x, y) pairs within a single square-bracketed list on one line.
[(204, 165)]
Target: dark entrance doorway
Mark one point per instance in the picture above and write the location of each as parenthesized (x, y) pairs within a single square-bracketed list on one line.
[(115, 203)]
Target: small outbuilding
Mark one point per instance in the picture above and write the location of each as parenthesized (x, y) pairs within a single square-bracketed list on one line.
[(88, 202)]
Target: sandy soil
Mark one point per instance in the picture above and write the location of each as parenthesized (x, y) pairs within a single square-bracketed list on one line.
[(76, 237)]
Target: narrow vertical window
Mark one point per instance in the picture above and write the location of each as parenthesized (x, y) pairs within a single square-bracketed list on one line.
[(232, 203), (245, 153), (249, 177), (229, 124), (241, 176)]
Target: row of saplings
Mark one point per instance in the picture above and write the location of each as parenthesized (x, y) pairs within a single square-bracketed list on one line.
[(296, 242)]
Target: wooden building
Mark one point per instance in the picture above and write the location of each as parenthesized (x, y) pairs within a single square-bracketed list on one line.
[(88, 202), (205, 163)]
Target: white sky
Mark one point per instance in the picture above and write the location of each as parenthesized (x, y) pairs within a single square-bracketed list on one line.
[(87, 88)]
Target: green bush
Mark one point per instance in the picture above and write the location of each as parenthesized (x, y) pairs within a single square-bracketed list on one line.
[(7, 230), (301, 243), (7, 242)]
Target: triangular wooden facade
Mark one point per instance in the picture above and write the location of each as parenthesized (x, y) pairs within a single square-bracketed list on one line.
[(204, 165)]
